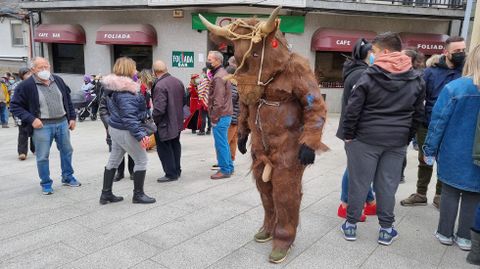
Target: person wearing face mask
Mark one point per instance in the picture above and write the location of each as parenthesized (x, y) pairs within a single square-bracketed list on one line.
[(25, 131), (448, 68), (194, 120), (43, 101), (220, 109), (203, 88), (383, 112), (4, 101), (353, 69)]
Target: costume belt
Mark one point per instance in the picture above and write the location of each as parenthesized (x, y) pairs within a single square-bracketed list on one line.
[(258, 121)]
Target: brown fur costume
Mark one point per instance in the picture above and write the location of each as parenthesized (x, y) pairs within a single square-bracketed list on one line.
[(281, 116)]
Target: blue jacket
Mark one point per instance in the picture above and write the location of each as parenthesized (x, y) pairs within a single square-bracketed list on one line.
[(451, 134), (26, 106), (126, 105), (436, 77)]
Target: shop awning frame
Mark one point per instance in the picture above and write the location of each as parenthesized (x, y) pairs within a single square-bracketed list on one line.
[(338, 40), (126, 34), (428, 44), (60, 33)]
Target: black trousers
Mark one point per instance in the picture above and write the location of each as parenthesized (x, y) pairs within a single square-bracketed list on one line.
[(131, 164), (205, 119), (25, 132), (170, 152), (450, 201)]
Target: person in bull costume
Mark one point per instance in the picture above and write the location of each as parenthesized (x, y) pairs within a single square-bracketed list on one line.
[(283, 113)]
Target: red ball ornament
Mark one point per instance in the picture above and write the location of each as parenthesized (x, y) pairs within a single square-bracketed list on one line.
[(274, 43)]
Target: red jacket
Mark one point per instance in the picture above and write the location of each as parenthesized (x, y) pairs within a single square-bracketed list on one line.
[(194, 101)]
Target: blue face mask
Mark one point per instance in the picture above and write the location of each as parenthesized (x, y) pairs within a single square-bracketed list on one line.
[(371, 59)]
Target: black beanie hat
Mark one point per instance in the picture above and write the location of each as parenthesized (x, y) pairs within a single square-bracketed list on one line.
[(361, 49), (22, 71)]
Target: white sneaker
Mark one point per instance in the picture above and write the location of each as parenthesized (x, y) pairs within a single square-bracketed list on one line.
[(443, 239), (463, 243)]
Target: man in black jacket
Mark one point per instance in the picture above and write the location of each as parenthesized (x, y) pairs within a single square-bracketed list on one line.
[(436, 77), (168, 95), (381, 117), (353, 69), (43, 100)]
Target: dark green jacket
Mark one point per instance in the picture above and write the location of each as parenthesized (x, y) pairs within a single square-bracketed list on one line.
[(476, 143)]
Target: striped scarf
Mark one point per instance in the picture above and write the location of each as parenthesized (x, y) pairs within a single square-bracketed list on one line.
[(203, 88)]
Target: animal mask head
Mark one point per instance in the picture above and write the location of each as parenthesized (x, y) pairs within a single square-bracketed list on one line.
[(251, 38)]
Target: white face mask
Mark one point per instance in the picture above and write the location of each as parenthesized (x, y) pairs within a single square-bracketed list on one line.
[(44, 74)]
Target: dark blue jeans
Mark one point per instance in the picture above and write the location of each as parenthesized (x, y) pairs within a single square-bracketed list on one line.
[(222, 148), (476, 225), (3, 113), (344, 194), (43, 138)]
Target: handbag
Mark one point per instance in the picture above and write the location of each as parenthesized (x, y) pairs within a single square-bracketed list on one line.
[(150, 126)]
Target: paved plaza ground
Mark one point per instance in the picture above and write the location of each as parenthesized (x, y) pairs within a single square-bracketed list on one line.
[(196, 222)]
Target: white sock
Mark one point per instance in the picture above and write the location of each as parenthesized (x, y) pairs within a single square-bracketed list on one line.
[(389, 230), (348, 224)]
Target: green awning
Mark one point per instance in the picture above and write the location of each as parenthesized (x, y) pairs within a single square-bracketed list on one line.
[(289, 24)]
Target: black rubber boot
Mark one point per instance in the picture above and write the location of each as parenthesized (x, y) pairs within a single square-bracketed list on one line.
[(107, 195), (474, 255), (120, 171), (139, 196), (119, 176)]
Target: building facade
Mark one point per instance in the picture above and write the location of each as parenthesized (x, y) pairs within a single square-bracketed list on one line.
[(82, 40), (15, 41)]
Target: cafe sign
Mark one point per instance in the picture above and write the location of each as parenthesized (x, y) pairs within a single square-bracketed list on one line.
[(183, 59), (49, 35)]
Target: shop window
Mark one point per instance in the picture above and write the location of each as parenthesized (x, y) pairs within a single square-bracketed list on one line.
[(68, 58), (328, 69), (142, 55), (17, 34)]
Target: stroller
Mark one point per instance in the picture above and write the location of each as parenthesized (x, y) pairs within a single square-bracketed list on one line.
[(89, 105)]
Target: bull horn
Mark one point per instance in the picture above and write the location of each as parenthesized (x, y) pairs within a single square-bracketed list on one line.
[(269, 25), (215, 29), (267, 172)]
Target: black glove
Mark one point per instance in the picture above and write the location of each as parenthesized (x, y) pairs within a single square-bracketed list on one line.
[(306, 155), (242, 143)]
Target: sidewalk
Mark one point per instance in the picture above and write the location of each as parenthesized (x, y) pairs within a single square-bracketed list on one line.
[(196, 222)]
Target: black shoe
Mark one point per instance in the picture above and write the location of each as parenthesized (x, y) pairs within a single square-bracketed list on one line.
[(118, 176), (166, 179), (139, 197), (107, 195), (208, 132), (194, 131), (201, 133), (474, 255), (142, 198), (131, 176)]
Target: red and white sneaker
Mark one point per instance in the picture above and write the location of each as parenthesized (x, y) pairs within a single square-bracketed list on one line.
[(342, 213), (370, 209)]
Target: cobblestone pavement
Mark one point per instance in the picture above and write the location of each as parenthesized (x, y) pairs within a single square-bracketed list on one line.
[(196, 222)]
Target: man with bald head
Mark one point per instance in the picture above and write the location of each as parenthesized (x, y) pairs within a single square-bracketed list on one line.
[(168, 95), (43, 100)]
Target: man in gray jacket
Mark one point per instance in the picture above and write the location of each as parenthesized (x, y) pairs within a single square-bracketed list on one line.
[(168, 99)]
